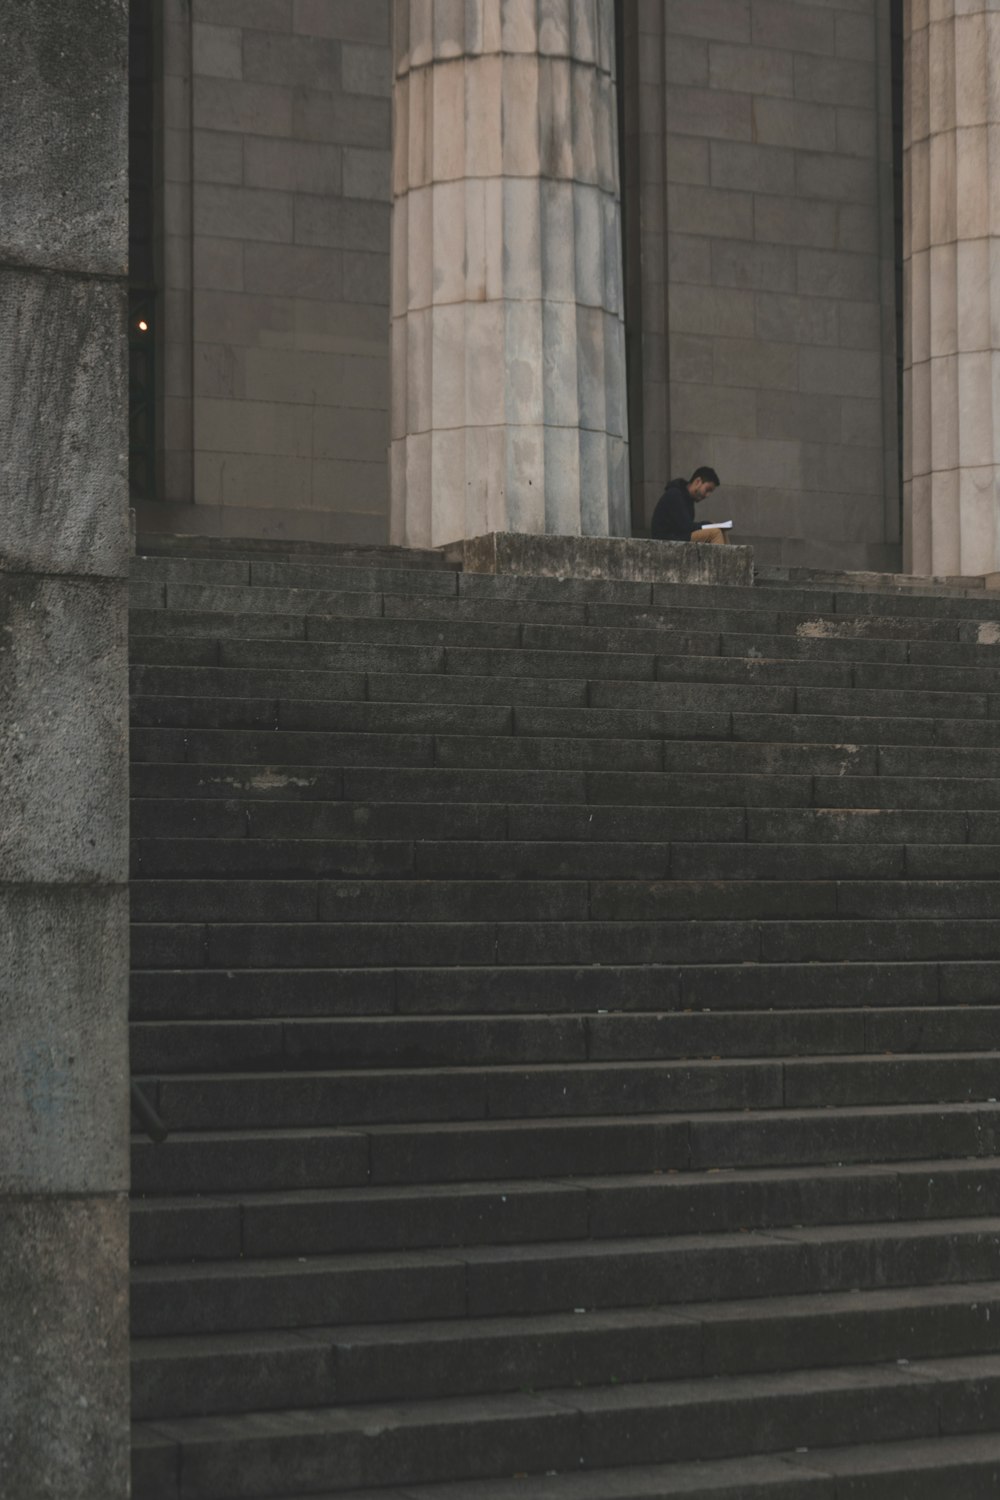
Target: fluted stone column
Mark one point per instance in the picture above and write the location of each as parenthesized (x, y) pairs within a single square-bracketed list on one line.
[(951, 249), (508, 349)]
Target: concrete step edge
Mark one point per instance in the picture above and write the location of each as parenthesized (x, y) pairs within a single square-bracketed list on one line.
[(898, 670), (666, 1182), (151, 616), (732, 1389), (756, 1117), (806, 1475), (192, 708)]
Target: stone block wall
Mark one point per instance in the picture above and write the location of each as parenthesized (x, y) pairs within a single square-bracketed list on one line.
[(276, 187), (777, 262), (761, 268)]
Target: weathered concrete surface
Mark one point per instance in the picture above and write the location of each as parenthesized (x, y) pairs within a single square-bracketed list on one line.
[(508, 335), (635, 559), (63, 736), (63, 1044), (63, 679), (63, 118), (65, 458), (64, 1409)]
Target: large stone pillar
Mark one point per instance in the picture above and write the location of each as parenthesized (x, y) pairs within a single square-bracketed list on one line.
[(63, 770), (951, 280), (508, 367)]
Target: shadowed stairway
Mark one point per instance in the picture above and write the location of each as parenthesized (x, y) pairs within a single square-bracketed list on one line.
[(575, 1007)]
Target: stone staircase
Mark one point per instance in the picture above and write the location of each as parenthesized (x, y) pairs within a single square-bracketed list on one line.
[(576, 1010)]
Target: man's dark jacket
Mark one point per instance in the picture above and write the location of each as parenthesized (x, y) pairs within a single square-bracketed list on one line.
[(673, 519)]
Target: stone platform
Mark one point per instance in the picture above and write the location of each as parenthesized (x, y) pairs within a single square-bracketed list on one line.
[(632, 559)]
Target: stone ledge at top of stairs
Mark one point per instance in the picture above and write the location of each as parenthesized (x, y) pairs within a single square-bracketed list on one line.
[(636, 559)]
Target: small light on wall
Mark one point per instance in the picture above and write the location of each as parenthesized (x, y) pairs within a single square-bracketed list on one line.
[(142, 325)]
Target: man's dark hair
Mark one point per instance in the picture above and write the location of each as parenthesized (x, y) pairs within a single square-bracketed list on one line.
[(709, 476)]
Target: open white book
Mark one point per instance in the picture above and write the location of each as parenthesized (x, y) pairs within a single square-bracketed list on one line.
[(717, 525)]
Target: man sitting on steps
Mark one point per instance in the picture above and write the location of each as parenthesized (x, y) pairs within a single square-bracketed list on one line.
[(673, 518)]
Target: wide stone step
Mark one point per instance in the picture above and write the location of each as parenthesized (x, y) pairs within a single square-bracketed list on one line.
[(401, 687), (313, 766), (184, 992), (300, 1099), (964, 1465), (519, 860), (811, 701), (304, 1097), (566, 1429), (806, 728), (620, 709), (806, 672), (480, 598), (399, 754), (294, 616), (961, 651), (400, 650), (634, 711), (675, 899), (740, 671), (259, 651), (200, 1162), (215, 1373), (341, 599), (491, 1151), (359, 901), (524, 591), (979, 795), (371, 944), (243, 569), (251, 1224), (774, 575), (492, 1281), (429, 828), (202, 815), (211, 1045), (348, 590), (971, 605), (371, 571), (843, 861), (640, 726), (299, 615), (402, 755), (310, 575), (839, 599), (283, 859)]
